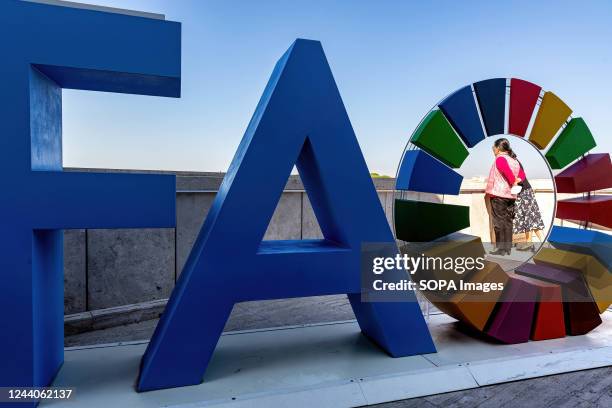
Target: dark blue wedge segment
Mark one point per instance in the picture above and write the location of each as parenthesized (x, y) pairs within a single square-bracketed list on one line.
[(491, 96), (460, 110)]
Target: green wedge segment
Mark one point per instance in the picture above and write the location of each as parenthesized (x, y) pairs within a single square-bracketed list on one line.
[(574, 141), (420, 221), (437, 137)]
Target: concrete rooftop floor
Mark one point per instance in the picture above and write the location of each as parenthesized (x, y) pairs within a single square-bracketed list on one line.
[(589, 388)]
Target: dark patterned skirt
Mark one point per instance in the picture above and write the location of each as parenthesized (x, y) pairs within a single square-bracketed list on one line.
[(527, 215)]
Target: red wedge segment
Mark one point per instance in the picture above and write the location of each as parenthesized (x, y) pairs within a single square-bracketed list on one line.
[(523, 99)]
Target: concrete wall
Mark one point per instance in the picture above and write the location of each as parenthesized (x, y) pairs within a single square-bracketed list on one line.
[(108, 268)]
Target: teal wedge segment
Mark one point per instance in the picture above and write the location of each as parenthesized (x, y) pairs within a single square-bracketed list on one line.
[(420, 221), (574, 141), (437, 137)]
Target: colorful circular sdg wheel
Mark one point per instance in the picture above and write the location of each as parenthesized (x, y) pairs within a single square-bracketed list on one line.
[(569, 284)]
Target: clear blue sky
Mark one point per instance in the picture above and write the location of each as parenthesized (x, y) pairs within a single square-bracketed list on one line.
[(392, 60)]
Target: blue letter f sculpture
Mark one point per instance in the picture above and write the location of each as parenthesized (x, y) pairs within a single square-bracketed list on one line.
[(46, 48), (299, 120)]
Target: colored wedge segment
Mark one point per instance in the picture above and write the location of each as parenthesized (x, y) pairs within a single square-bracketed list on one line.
[(548, 322), (513, 318), (453, 246), (587, 242), (579, 310), (491, 96), (593, 172), (596, 209), (574, 141), (436, 136), (419, 221), (475, 308), (523, 99), (598, 278), (421, 172), (461, 111), (552, 115)]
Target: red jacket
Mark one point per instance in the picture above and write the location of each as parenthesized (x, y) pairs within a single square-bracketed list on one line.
[(504, 169)]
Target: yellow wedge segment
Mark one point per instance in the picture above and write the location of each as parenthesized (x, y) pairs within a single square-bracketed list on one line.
[(598, 278), (552, 115)]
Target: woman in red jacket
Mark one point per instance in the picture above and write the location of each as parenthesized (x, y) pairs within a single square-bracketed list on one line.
[(505, 173)]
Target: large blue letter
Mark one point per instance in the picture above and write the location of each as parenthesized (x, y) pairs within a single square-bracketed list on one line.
[(300, 120), (46, 48)]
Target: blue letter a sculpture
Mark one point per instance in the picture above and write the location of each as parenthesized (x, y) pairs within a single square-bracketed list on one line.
[(299, 120)]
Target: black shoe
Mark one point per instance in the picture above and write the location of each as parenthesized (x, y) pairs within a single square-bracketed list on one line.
[(500, 252), (526, 248)]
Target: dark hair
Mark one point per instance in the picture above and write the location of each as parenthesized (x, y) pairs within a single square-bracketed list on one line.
[(504, 145)]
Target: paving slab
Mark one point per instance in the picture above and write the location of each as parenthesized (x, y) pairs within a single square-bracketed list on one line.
[(328, 364)]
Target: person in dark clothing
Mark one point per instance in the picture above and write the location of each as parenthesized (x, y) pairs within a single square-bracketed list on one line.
[(505, 173), (527, 218), (503, 210)]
